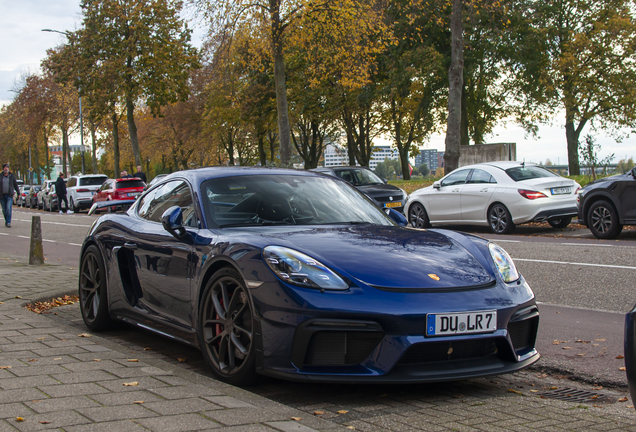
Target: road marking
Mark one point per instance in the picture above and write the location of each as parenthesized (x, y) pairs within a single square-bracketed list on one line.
[(575, 263), (589, 244), (44, 240), (57, 223)]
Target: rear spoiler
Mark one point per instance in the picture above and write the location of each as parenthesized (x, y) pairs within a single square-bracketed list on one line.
[(105, 204)]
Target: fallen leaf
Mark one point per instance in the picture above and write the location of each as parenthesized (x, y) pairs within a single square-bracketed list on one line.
[(581, 341), (593, 397), (351, 427), (342, 412), (629, 406), (36, 401), (623, 399), (138, 402), (32, 360), (600, 340), (595, 344), (620, 357), (18, 297), (581, 354), (41, 338), (44, 422), (597, 388), (147, 349), (296, 418), (319, 412), (19, 418), (514, 391), (97, 359), (84, 335), (5, 367), (567, 348), (57, 358), (558, 312), (133, 360), (622, 368), (1, 302), (134, 383), (598, 406), (534, 391), (181, 359), (553, 388)]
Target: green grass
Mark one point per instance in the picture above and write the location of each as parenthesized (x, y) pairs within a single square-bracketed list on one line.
[(412, 185)]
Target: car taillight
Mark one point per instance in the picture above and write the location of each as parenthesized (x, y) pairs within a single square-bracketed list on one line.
[(83, 190), (530, 194), (576, 192)]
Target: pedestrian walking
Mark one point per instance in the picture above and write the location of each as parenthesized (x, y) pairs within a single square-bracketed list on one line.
[(8, 184), (140, 174), (60, 190)]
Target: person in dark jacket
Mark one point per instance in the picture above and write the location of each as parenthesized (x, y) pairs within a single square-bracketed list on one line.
[(60, 190), (8, 185), (140, 174)]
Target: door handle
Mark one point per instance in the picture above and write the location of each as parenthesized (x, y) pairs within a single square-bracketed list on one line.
[(455, 190), (132, 246), (484, 190)]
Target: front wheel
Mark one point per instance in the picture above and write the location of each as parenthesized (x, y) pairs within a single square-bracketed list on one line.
[(93, 291), (226, 328), (418, 218), (500, 220), (560, 223), (602, 219)]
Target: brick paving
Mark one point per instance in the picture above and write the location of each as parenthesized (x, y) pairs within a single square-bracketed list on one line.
[(52, 378)]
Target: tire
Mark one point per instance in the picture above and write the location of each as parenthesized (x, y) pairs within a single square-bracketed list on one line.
[(93, 291), (418, 218), (500, 220), (602, 219), (230, 355), (73, 207), (560, 223)]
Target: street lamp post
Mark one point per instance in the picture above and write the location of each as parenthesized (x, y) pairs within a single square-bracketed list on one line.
[(65, 33)]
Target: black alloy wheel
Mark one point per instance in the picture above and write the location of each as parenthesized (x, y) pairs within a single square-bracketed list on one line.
[(227, 328), (500, 220), (602, 219), (418, 217), (560, 223), (93, 291)]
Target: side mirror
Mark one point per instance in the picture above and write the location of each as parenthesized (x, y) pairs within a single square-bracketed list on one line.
[(634, 173), (436, 185), (172, 221), (397, 217)]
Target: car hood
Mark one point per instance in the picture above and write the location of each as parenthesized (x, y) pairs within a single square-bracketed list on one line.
[(391, 257), (381, 190)]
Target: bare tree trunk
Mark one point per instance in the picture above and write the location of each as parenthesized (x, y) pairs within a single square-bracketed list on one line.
[(116, 145), (132, 130), (47, 168), (455, 85), (64, 149), (572, 135), (94, 145), (281, 87)]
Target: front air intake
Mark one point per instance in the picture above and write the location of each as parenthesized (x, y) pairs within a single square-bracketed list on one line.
[(330, 348)]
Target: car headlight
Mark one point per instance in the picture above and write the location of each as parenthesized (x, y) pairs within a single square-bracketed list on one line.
[(302, 270), (405, 196), (503, 262)]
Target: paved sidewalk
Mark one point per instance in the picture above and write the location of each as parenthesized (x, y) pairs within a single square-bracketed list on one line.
[(54, 377)]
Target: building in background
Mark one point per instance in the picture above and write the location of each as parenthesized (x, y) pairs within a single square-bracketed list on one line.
[(428, 157), (336, 155)]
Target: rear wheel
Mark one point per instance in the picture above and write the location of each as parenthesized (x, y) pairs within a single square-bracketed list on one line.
[(560, 223), (93, 291), (226, 328), (73, 206), (418, 218), (602, 219), (500, 220)]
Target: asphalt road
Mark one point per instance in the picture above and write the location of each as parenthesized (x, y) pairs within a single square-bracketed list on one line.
[(584, 286)]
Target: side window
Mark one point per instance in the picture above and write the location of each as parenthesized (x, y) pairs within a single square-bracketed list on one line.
[(156, 202), (71, 182), (456, 178), (481, 176)]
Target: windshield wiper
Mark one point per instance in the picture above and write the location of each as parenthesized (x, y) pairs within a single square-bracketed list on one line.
[(253, 224)]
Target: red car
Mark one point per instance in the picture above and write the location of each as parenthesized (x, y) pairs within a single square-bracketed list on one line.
[(119, 189)]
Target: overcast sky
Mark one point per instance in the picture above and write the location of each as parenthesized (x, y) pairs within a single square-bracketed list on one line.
[(23, 45)]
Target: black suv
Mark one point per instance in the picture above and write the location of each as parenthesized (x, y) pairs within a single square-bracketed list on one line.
[(607, 204)]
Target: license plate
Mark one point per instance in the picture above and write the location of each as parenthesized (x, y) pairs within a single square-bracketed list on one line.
[(133, 194), (392, 204), (448, 324), (561, 190)]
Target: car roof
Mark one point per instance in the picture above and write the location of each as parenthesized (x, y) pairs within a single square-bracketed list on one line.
[(501, 164), (89, 175), (198, 175)]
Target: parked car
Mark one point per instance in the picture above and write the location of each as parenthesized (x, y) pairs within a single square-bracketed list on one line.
[(43, 191), (21, 199), (81, 188), (50, 198), (127, 189), (499, 195), (607, 204), (367, 182), (297, 275), (31, 200), (155, 180), (630, 351)]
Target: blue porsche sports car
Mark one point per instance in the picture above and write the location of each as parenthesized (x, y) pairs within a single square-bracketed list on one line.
[(298, 275)]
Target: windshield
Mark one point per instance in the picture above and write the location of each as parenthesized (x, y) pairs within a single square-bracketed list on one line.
[(92, 181), (359, 177), (528, 173), (125, 184), (286, 200)]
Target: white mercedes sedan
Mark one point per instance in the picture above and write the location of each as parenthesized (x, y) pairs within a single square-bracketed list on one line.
[(500, 195)]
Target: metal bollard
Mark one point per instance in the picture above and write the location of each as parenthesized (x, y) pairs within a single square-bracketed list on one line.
[(36, 253)]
